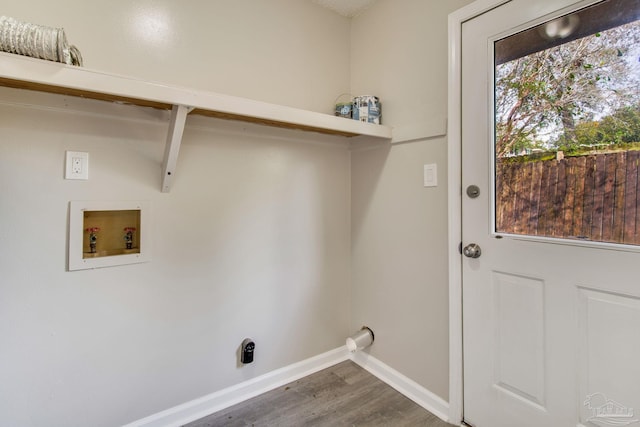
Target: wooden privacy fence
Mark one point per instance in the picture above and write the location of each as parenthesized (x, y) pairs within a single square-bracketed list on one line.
[(590, 197)]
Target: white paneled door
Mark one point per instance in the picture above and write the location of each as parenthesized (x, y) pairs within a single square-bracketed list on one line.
[(551, 316)]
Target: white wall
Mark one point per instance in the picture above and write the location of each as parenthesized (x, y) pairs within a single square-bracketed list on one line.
[(253, 239), (399, 267), (289, 52), (256, 217)]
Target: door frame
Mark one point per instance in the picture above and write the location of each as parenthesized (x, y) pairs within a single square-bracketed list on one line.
[(454, 155)]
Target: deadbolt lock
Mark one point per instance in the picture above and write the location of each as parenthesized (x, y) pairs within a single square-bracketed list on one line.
[(473, 191)]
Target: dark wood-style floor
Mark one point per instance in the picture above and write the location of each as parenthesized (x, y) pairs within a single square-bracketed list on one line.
[(342, 395)]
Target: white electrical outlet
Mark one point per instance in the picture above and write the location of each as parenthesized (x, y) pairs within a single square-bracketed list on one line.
[(77, 165)]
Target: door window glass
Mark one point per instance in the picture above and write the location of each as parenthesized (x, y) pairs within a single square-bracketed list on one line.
[(567, 127)]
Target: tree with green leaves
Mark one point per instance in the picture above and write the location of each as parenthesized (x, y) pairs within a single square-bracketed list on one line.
[(621, 127), (542, 98)]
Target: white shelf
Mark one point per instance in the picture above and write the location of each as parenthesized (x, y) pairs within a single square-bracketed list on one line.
[(45, 76)]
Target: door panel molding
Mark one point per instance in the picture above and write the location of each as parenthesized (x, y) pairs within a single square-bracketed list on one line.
[(605, 322), (519, 335)]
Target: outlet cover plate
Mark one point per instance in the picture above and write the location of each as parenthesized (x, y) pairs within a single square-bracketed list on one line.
[(77, 165)]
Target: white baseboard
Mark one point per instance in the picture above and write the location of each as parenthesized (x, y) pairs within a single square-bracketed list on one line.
[(199, 408), (411, 389)]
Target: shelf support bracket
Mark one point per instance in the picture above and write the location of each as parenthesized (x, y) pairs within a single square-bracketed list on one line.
[(172, 148)]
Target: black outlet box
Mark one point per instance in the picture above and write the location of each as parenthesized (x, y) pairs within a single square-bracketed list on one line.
[(246, 354)]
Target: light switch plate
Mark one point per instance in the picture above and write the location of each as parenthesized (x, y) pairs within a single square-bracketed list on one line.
[(431, 175), (77, 165)]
